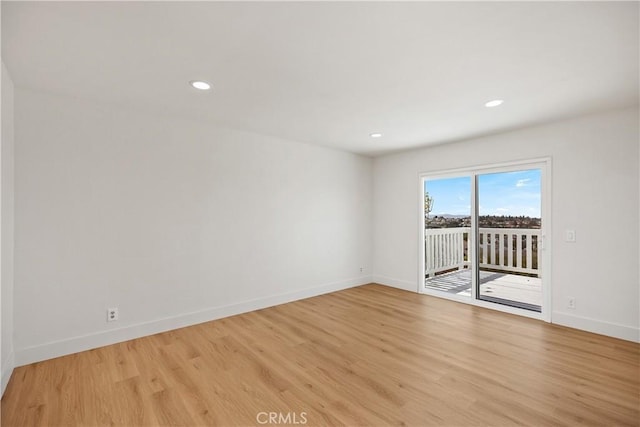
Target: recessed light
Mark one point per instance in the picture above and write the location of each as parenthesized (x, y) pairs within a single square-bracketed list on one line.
[(494, 103), (199, 84), (375, 135)]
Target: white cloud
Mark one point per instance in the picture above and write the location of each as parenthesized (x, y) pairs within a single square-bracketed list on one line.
[(522, 182)]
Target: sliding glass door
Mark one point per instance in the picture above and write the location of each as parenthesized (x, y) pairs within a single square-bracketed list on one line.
[(447, 238), (483, 236), (509, 238)]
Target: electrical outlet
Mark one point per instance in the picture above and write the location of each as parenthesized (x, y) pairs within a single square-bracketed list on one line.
[(112, 314), (361, 269), (570, 236), (571, 303)]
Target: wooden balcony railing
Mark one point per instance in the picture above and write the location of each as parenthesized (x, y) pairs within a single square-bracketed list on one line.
[(515, 250)]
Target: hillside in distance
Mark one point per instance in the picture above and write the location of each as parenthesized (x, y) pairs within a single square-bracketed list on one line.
[(485, 221)]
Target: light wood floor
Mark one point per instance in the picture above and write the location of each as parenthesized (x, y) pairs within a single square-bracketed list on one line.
[(371, 355)]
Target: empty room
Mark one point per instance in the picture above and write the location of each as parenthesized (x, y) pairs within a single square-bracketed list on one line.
[(320, 213)]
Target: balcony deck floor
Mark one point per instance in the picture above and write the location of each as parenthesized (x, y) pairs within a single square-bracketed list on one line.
[(500, 286)]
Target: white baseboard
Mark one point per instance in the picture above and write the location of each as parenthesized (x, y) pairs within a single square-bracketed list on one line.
[(395, 283), (87, 342), (77, 344), (596, 326), (7, 370)]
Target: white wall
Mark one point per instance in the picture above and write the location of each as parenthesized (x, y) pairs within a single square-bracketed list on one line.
[(172, 221), (6, 230), (594, 191)]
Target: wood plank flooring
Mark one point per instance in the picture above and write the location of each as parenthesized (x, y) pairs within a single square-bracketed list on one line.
[(370, 355)]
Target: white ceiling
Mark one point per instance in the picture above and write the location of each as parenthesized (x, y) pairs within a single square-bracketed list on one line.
[(332, 73)]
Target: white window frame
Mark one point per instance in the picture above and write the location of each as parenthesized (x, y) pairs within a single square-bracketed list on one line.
[(544, 164)]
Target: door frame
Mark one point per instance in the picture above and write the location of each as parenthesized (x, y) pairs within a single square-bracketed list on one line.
[(544, 164)]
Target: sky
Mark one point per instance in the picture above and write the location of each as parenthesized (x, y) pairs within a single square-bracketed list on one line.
[(505, 193)]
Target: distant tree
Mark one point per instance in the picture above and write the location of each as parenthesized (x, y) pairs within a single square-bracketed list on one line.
[(428, 204)]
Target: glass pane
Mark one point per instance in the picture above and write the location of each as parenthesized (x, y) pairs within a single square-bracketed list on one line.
[(509, 223), (447, 235)]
